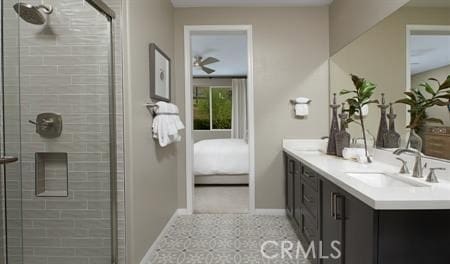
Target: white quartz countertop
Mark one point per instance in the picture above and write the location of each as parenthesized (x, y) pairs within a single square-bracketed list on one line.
[(429, 196)]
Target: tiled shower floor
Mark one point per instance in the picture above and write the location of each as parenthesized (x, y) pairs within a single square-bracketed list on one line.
[(224, 239)]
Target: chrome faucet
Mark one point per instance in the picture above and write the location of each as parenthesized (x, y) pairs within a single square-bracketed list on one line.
[(432, 175), (418, 168)]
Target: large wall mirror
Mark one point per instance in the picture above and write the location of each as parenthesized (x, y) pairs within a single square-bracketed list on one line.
[(401, 52)]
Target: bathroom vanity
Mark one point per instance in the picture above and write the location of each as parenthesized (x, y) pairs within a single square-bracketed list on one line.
[(377, 218)]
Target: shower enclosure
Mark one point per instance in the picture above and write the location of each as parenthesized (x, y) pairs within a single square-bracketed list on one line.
[(58, 133)]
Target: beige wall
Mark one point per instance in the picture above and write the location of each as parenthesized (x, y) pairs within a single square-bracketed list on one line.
[(151, 182), (380, 56), (351, 18), (290, 60), (440, 74)]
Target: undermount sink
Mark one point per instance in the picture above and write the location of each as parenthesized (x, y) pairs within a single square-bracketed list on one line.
[(383, 180)]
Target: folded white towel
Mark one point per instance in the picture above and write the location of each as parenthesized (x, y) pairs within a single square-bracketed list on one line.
[(166, 124), (301, 106), (356, 154)]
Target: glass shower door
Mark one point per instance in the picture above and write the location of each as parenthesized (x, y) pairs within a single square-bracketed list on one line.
[(59, 121), (11, 180)]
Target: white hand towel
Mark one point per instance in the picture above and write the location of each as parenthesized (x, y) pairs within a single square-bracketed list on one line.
[(166, 124), (301, 106), (301, 110)]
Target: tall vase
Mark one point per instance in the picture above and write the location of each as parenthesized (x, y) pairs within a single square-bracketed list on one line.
[(342, 137), (383, 128), (334, 130), (414, 140), (392, 139)]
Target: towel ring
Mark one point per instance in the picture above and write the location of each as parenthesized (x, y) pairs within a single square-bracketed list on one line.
[(152, 108)]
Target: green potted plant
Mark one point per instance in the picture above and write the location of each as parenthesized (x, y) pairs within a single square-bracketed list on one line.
[(419, 103), (362, 94)]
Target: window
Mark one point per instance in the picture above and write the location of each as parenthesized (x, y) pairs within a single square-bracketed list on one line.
[(212, 108)]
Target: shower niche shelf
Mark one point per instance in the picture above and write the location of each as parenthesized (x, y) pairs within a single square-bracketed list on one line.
[(51, 174)]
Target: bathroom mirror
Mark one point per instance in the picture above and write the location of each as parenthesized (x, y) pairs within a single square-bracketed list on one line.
[(402, 51)]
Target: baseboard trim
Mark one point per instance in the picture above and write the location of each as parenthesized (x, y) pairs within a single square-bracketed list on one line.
[(270, 212), (183, 211), (146, 258)]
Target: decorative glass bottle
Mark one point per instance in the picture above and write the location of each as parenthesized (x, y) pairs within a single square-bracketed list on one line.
[(383, 128), (331, 149)]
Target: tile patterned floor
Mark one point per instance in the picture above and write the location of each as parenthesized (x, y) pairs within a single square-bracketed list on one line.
[(223, 239)]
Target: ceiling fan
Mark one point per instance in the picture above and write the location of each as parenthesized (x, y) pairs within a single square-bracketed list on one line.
[(199, 62)]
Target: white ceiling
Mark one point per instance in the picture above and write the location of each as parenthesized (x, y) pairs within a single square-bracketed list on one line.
[(229, 47), (231, 3), (429, 52)]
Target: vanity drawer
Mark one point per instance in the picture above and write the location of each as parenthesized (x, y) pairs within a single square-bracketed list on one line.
[(310, 200), (310, 177)]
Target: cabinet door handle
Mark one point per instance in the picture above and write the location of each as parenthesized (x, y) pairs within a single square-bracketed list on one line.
[(341, 214), (332, 205), (8, 159)]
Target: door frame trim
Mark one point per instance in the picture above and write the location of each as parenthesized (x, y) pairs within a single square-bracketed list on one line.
[(188, 30)]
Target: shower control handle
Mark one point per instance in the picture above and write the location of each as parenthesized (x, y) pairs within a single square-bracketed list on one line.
[(8, 159), (48, 125), (44, 123)]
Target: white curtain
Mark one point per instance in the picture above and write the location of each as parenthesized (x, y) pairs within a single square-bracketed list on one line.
[(239, 119)]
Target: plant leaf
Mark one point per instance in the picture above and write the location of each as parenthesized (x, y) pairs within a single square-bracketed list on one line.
[(445, 84), (444, 96), (428, 88), (436, 80), (357, 81), (405, 101), (411, 95), (439, 102), (343, 92)]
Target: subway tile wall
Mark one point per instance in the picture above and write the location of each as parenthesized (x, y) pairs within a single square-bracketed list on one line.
[(63, 69)]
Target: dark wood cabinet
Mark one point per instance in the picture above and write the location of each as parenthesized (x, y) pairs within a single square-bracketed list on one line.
[(289, 186), (297, 194), (332, 219), (331, 226), (360, 227)]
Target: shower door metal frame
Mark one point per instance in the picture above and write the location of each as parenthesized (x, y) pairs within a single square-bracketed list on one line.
[(102, 7), (110, 16)]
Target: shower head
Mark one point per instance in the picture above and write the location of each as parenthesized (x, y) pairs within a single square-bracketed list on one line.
[(31, 13)]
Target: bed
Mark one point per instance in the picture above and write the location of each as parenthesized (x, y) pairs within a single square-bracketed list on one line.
[(221, 161)]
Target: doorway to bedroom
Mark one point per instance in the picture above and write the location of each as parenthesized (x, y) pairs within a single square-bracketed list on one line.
[(219, 92)]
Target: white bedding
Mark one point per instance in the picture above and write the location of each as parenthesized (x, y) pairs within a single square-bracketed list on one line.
[(221, 156)]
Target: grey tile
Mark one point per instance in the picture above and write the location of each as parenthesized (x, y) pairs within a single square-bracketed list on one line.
[(222, 239)]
